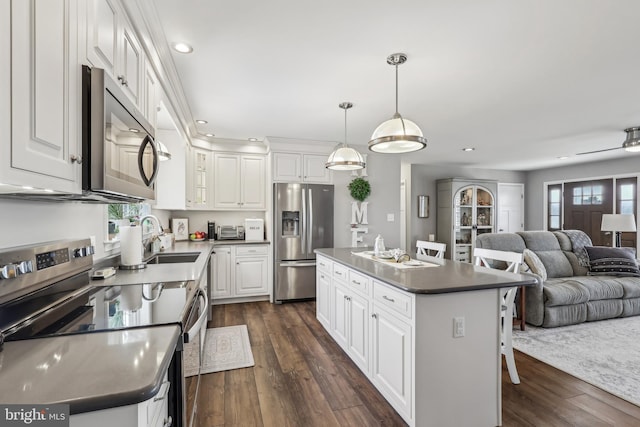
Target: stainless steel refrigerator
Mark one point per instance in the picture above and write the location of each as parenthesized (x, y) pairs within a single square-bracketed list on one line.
[(303, 216)]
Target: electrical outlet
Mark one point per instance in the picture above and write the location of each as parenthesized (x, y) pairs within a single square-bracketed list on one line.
[(458, 327), (391, 217)]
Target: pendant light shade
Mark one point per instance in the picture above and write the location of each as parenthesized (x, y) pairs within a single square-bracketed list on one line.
[(632, 143), (345, 158), (397, 135), (163, 152)]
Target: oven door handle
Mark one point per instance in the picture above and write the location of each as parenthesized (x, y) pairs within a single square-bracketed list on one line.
[(195, 329)]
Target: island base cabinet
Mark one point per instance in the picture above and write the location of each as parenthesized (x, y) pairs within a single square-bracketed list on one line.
[(351, 325), (323, 298), (391, 369)]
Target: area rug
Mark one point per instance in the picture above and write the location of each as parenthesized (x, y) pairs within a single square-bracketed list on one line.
[(605, 354), (224, 349)]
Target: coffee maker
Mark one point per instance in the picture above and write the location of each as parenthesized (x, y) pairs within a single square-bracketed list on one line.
[(211, 230)]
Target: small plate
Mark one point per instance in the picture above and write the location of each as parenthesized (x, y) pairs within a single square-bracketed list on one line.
[(369, 252), (384, 255), (412, 263), (196, 240)]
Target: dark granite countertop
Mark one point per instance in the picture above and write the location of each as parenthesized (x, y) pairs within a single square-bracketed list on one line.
[(448, 276)]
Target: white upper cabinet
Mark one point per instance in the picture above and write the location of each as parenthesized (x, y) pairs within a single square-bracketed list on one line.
[(102, 36), (297, 167), (239, 181), (150, 95), (201, 173), (111, 44), (45, 101)]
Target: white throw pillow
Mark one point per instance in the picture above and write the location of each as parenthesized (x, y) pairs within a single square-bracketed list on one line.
[(535, 265)]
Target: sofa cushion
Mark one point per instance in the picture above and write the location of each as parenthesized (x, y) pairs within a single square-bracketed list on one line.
[(572, 243), (562, 291), (600, 287), (604, 260), (564, 315), (630, 286), (535, 265), (604, 309), (546, 246)]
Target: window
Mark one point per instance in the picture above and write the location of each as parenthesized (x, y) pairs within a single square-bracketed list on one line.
[(588, 195), (122, 214), (626, 203), (554, 207)]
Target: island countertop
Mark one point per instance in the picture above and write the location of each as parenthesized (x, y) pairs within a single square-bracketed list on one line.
[(448, 276)]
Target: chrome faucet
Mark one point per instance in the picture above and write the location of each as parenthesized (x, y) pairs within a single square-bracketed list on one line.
[(147, 242)]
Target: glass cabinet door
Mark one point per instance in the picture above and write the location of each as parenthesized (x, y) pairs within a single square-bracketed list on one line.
[(473, 215)]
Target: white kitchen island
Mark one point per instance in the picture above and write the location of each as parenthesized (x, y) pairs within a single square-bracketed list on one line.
[(397, 325)]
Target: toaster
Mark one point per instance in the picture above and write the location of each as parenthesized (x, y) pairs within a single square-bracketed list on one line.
[(231, 232)]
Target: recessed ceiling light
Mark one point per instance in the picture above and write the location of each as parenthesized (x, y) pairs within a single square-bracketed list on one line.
[(253, 139), (182, 47), (468, 149), (134, 130), (563, 157), (209, 135), (202, 122)]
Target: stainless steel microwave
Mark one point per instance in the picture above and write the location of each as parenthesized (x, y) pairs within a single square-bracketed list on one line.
[(119, 155)]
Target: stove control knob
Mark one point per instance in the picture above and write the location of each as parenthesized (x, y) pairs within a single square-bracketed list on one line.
[(25, 267), (90, 250), (9, 271), (79, 253)]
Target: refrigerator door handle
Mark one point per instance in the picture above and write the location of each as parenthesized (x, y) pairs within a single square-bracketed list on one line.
[(298, 264), (303, 232), (310, 228)]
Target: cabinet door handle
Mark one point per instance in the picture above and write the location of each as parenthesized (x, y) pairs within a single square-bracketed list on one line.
[(338, 273), (356, 282), (76, 159), (168, 422), (123, 80), (374, 316), (388, 299)]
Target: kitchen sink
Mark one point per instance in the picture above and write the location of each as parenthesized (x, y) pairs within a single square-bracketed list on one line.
[(173, 258)]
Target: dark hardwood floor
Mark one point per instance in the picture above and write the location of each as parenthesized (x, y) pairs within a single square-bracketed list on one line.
[(302, 378)]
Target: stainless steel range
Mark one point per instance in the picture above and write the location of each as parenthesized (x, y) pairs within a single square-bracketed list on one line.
[(46, 290)]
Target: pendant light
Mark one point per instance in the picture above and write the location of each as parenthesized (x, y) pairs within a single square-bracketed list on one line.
[(345, 158), (163, 152), (397, 135), (632, 143)]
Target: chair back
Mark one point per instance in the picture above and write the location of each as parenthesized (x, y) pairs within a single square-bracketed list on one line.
[(512, 259), (425, 248)]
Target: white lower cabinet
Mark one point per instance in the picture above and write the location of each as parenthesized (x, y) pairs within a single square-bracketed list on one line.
[(150, 413), (391, 358), (379, 343), (239, 271)]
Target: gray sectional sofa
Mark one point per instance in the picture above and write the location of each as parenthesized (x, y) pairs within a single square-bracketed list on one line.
[(569, 295)]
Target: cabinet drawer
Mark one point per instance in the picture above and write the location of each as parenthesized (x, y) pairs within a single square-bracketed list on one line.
[(396, 300), (340, 272), (463, 249), (252, 250), (359, 282), (325, 265)]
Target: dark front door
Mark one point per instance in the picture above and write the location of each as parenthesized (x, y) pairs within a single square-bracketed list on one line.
[(584, 204)]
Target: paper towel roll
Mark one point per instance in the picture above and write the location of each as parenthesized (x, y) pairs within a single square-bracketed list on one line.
[(131, 245)]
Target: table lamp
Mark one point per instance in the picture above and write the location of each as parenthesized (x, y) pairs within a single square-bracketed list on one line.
[(618, 223)]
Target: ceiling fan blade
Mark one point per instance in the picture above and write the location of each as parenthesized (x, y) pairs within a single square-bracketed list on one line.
[(599, 151)]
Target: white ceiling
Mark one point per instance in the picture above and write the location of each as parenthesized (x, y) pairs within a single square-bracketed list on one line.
[(523, 82)]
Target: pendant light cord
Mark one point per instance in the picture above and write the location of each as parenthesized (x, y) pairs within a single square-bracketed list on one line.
[(396, 88), (345, 127)]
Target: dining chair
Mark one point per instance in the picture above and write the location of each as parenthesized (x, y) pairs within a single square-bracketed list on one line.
[(425, 248), (513, 260)]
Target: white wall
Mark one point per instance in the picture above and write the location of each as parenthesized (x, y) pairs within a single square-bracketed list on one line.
[(28, 222)]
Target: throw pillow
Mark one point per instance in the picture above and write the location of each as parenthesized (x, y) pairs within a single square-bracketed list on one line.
[(607, 261), (535, 265)]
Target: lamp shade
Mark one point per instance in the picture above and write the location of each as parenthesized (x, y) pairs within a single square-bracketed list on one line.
[(618, 222), (632, 143), (397, 135), (163, 151), (345, 158)]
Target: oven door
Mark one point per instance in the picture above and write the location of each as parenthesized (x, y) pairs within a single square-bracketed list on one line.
[(192, 357)]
